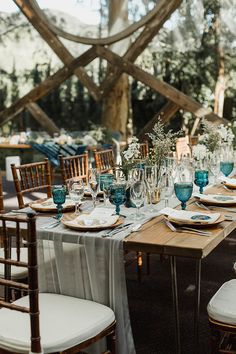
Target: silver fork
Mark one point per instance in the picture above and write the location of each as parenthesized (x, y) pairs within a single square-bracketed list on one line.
[(125, 227), (187, 229), (51, 226)]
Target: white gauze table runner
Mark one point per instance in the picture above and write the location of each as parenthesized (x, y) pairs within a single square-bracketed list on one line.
[(86, 265)]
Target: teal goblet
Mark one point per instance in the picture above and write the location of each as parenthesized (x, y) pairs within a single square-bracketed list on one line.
[(201, 179), (59, 198), (183, 191), (226, 167), (117, 195)]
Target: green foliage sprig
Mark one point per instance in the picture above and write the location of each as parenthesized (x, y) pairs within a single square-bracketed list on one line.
[(162, 143)]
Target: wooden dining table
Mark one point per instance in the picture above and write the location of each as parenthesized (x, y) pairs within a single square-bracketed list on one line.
[(156, 237)]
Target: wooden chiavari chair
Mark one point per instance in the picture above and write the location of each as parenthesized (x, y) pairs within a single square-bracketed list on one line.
[(222, 319), (17, 273), (30, 178), (1, 196), (144, 149), (74, 166), (67, 324), (104, 160)]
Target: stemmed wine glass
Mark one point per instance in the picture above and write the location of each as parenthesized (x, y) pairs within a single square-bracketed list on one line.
[(201, 179), (227, 159), (167, 186), (136, 174), (117, 195), (150, 173), (93, 184), (76, 192), (214, 165), (59, 198), (183, 191), (137, 193)]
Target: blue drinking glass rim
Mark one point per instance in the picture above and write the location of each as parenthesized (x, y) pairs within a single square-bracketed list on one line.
[(200, 170), (106, 175), (58, 186), (183, 183)]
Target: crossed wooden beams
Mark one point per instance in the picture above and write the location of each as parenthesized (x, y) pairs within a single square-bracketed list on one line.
[(176, 99)]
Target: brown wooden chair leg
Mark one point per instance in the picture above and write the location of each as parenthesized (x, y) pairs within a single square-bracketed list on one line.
[(139, 265), (148, 263), (215, 341), (111, 343)]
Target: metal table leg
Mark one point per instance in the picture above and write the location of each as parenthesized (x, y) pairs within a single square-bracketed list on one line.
[(197, 305), (175, 302)]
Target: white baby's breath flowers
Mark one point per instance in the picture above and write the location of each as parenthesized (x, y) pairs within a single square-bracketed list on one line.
[(199, 152), (223, 131), (133, 151), (226, 134)]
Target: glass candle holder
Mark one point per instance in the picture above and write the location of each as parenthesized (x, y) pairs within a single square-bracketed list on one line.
[(183, 191), (201, 179), (117, 195), (226, 167), (59, 198)]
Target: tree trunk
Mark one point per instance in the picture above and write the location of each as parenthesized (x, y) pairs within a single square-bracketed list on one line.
[(116, 103), (221, 79)]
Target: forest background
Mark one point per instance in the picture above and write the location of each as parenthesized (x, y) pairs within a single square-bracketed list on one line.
[(194, 52)]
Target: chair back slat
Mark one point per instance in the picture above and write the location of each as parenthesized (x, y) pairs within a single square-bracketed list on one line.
[(33, 177), (32, 265), (1, 196), (144, 149), (104, 160), (74, 166)]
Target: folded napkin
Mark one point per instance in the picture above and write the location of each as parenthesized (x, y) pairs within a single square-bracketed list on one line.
[(190, 216), (49, 204), (98, 217), (216, 198), (227, 180)]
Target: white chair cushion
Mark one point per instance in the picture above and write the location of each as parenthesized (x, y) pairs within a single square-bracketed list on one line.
[(64, 322), (16, 272), (222, 306)]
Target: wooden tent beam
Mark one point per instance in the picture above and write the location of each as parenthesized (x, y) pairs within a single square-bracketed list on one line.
[(165, 114), (42, 118), (47, 85), (166, 90), (57, 46), (95, 41), (165, 10)]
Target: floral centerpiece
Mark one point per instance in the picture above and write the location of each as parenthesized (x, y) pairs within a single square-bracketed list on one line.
[(130, 156), (214, 136), (162, 144)]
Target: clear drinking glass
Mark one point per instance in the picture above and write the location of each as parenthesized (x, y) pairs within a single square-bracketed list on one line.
[(93, 184), (136, 174), (137, 194), (167, 187), (214, 166), (150, 178), (76, 192)]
